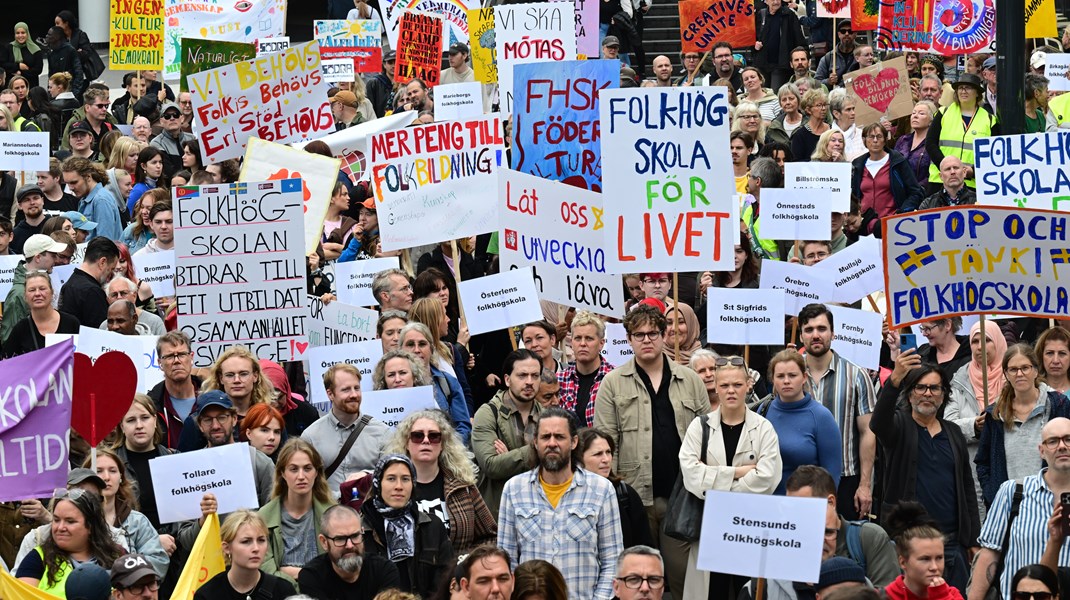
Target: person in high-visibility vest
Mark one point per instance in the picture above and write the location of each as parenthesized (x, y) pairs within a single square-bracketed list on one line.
[(956, 126)]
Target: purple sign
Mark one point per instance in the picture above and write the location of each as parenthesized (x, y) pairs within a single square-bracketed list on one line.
[(36, 390), (587, 28)]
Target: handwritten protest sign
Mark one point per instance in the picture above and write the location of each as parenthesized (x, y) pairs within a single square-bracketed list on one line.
[(203, 55), (363, 355), (1056, 67), (338, 322), (673, 187), (703, 23), (587, 27), (531, 33), (8, 264), (741, 316), (1025, 171), (835, 177), (833, 9), (37, 389), (796, 214), (437, 182), (136, 40), (24, 150), (452, 12), (158, 270), (856, 271), (209, 19), (617, 350), (858, 335), (559, 230), (180, 480), (240, 272), (802, 285), (978, 259), (483, 45), (905, 25), (277, 98), (392, 406), (555, 119), (882, 90), (1040, 20), (865, 14), (359, 41), (419, 53), (963, 26), (93, 342), (351, 144), (353, 279), (499, 301), (459, 101)]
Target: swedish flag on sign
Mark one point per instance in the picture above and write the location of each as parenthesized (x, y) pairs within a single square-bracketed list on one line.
[(1060, 256), (918, 257), (237, 188)]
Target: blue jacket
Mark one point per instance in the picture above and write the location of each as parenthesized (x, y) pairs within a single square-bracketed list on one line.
[(100, 206), (455, 405)]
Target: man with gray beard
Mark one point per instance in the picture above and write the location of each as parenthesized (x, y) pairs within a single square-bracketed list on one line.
[(344, 572)]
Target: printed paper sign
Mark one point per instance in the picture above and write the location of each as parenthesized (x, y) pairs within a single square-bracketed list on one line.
[(359, 41), (362, 355), (181, 480), (835, 177), (796, 214), (1056, 67), (136, 40), (963, 26), (802, 285), (419, 50), (350, 145), (205, 55), (857, 335), (224, 22), (336, 70), (532, 33), (883, 90), (833, 9), (617, 350), (158, 270), (856, 271), (1041, 21), (483, 45), (7, 272), (703, 23), (353, 279), (272, 45), (742, 316), (392, 406), (24, 150), (1023, 171), (459, 101), (240, 269), (338, 322), (141, 349), (452, 12), (905, 25), (672, 188), (754, 535), (499, 301)]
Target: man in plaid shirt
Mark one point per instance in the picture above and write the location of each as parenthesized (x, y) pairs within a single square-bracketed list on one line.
[(580, 379), (563, 514)]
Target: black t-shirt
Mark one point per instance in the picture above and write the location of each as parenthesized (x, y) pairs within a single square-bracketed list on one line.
[(318, 579), (269, 587), (665, 439), (583, 394), (65, 203), (139, 464), (22, 232), (731, 435), (431, 498)]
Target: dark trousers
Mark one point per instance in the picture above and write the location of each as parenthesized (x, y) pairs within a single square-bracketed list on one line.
[(956, 565), (845, 498)]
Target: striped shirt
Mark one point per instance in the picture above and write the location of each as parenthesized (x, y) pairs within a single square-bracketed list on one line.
[(847, 391), (1029, 532)]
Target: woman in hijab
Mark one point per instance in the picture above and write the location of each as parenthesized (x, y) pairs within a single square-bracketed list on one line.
[(417, 543), (683, 325), (28, 56)]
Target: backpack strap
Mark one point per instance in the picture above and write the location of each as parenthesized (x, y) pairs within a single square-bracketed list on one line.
[(854, 542), (361, 424)]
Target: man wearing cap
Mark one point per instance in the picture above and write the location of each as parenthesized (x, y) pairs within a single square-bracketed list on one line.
[(170, 140), (380, 87), (459, 71), (56, 200), (988, 74), (345, 109), (836, 573), (79, 142), (611, 48), (82, 296), (96, 117), (39, 252), (32, 204), (217, 418), (82, 225), (845, 57), (133, 578)]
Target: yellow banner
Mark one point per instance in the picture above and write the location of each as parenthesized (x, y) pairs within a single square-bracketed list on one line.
[(205, 560), (136, 35), (1040, 21), (13, 589), (481, 38)]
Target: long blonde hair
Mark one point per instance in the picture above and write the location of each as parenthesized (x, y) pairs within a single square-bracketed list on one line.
[(263, 391), (453, 460), (120, 150), (429, 311)]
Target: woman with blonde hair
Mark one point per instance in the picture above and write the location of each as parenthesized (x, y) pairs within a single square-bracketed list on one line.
[(7, 120), (417, 339), (123, 154), (364, 105), (236, 373), (830, 147), (138, 232), (815, 107), (450, 357), (245, 547)]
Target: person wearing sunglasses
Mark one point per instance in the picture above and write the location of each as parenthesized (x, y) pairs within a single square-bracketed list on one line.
[(96, 120), (1035, 582), (171, 139)]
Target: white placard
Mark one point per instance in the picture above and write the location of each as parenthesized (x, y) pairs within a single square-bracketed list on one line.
[(835, 177), (272, 45), (338, 323), (754, 535), (140, 348), (181, 480), (617, 350), (802, 285), (857, 335), (745, 316), (856, 270), (1055, 70), (392, 406), (500, 301), (60, 274), (459, 101), (158, 270), (532, 33), (796, 214), (336, 70), (353, 279), (24, 151), (362, 355), (8, 264)]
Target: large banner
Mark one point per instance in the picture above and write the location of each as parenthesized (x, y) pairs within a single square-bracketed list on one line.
[(1024, 171), (529, 33), (437, 182), (882, 90), (963, 26), (359, 40), (905, 25), (419, 54), (672, 188), (277, 98), (240, 271), (242, 21), (203, 55), (977, 259), (483, 45), (1040, 19), (136, 40), (36, 391), (703, 23), (453, 12)]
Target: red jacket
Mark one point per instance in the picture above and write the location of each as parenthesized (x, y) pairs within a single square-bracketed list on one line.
[(897, 590)]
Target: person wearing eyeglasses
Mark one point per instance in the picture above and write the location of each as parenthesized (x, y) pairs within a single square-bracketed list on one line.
[(175, 396), (945, 349), (170, 140), (343, 571), (844, 56), (883, 179), (96, 118), (640, 574), (133, 578)]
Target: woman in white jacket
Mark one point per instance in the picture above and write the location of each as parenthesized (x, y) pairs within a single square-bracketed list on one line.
[(743, 455)]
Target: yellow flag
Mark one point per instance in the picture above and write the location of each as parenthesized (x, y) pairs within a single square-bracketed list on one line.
[(1040, 19), (205, 560), (13, 589)]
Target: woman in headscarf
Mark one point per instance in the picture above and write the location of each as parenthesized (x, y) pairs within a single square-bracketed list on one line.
[(417, 543), (683, 325), (28, 56)]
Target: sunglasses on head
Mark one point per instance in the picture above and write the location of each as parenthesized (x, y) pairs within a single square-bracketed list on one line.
[(418, 437), (724, 361)]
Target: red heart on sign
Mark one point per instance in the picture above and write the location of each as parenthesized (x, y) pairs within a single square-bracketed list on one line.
[(103, 392), (878, 91)]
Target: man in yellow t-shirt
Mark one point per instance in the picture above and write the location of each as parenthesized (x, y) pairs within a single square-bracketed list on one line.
[(740, 144)]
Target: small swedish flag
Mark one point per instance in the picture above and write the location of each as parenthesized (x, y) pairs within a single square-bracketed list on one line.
[(918, 257), (1060, 256), (238, 188)]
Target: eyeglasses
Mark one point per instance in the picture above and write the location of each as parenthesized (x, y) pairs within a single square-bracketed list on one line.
[(432, 437), (102, 106), (238, 375), (169, 116), (696, 57), (921, 389), (724, 361), (1053, 442), (1020, 370), (341, 541), (635, 582), (221, 419), (1032, 595), (927, 329), (645, 335), (847, 32), (831, 532), (404, 288), (175, 356), (878, 137), (137, 589), (749, 117), (816, 256)]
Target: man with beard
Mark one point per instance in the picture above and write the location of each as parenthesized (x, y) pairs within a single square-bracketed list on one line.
[(31, 201), (343, 571), (216, 419), (574, 511), (83, 295), (847, 391)]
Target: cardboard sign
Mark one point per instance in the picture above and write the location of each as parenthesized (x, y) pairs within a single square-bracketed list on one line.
[(158, 270), (835, 177), (1056, 67), (141, 349), (531, 33), (833, 9), (743, 316), (272, 45), (359, 41), (617, 350), (419, 54), (703, 23), (499, 301), (905, 25), (459, 101), (24, 150), (864, 14), (802, 285), (240, 272), (857, 335), (336, 70), (136, 39), (483, 45), (8, 264), (796, 214), (882, 89), (350, 145), (963, 26), (363, 355), (452, 12), (180, 480), (353, 279), (1041, 21), (672, 188), (392, 406), (223, 22), (1023, 171), (755, 535), (856, 271), (277, 98), (338, 322), (205, 55)]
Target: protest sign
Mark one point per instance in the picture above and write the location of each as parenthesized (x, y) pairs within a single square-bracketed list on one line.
[(36, 393), (266, 161), (833, 9), (1056, 67), (963, 26), (24, 150), (562, 239), (529, 33), (499, 301), (93, 342), (673, 187), (555, 119), (158, 270), (882, 90), (617, 350), (363, 355), (359, 41), (857, 335), (796, 214), (977, 259), (240, 269), (754, 535), (835, 177), (180, 480), (437, 182), (587, 42), (1041, 20), (59, 276), (211, 19), (136, 36), (703, 23), (204, 55), (864, 14), (338, 322), (419, 50), (392, 406), (856, 271), (741, 316), (277, 98), (482, 44), (16, 589), (802, 285), (459, 101), (904, 25), (452, 12), (353, 279), (337, 70), (8, 264), (350, 145), (272, 45), (1024, 171)]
